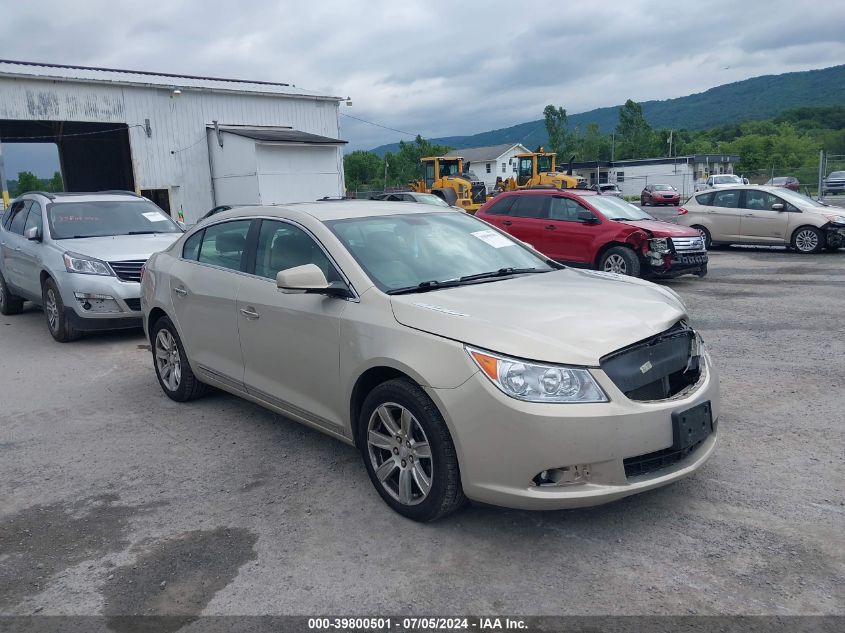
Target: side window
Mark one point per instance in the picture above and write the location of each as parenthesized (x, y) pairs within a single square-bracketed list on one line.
[(12, 210), (282, 246), (488, 168), (34, 217), (726, 199), (191, 248), (761, 200), (530, 207), (19, 218), (223, 244), (502, 207), (565, 210), (705, 198)]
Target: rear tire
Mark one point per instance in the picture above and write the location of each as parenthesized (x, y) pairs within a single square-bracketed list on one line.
[(172, 368), (408, 452), (54, 310), (9, 303), (620, 260), (807, 240)]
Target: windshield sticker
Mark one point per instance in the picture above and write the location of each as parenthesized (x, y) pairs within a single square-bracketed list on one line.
[(494, 239), (155, 216)]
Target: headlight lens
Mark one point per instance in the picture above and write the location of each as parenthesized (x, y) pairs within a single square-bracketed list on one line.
[(75, 263), (659, 245), (839, 219), (538, 382)]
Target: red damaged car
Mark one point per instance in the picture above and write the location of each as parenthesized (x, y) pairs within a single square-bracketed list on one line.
[(602, 232)]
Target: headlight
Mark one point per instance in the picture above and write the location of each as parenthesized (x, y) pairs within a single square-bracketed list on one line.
[(538, 382), (839, 219), (76, 263), (659, 245)]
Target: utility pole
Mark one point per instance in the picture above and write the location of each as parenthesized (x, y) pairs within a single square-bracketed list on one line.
[(821, 174), (669, 141), (612, 146), (385, 174), (3, 187)]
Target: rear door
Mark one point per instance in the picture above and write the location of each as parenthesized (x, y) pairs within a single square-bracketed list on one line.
[(724, 214), (30, 254), (13, 244), (528, 219), (761, 223), (204, 286)]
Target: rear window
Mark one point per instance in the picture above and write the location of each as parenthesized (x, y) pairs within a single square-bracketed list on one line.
[(704, 198), (502, 206)]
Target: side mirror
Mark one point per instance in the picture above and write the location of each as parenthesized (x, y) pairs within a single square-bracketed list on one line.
[(33, 234), (777, 206), (309, 279), (587, 218)]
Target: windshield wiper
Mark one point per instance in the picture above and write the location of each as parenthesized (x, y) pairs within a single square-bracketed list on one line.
[(425, 286), (143, 233), (502, 272)]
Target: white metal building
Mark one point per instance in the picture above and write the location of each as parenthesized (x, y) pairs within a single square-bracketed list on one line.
[(188, 143), (681, 172), (491, 161)]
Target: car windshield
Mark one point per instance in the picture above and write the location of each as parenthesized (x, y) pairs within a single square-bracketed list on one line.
[(428, 198), (837, 174), (616, 209), (727, 180), (418, 252), (799, 199), (107, 217), (663, 188), (544, 163)]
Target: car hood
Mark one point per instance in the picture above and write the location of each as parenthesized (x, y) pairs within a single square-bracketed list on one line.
[(566, 316), (662, 229), (114, 248)]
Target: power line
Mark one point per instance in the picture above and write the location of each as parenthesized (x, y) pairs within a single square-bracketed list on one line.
[(8, 139), (392, 129)]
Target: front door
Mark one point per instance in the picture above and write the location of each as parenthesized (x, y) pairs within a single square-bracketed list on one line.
[(291, 342), (204, 286), (761, 223), (30, 253), (12, 245)]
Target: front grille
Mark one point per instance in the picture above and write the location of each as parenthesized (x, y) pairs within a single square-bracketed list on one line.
[(133, 304), (668, 196), (658, 367), (129, 270), (651, 462), (688, 244)]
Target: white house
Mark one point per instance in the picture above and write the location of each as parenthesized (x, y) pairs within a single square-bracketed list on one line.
[(492, 161), (188, 143), (681, 172)]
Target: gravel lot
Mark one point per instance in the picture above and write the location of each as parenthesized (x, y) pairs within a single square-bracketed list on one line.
[(115, 500)]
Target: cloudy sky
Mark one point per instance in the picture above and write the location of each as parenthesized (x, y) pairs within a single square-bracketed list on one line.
[(440, 68)]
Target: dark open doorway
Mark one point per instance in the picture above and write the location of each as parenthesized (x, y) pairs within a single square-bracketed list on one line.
[(93, 156)]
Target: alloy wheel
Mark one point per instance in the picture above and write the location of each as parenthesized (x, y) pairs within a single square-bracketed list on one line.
[(400, 453), (167, 359), (806, 241), (615, 264), (52, 309)]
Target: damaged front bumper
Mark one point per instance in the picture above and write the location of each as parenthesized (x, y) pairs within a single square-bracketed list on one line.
[(835, 235), (673, 264)]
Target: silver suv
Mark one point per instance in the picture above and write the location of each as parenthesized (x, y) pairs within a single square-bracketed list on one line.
[(79, 255)]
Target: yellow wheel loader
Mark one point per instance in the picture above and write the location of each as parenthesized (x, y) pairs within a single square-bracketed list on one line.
[(444, 177), (537, 169)]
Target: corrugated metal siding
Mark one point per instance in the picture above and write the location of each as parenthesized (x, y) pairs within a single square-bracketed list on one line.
[(175, 157)]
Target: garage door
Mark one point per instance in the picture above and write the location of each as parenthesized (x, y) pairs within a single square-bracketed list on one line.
[(297, 173)]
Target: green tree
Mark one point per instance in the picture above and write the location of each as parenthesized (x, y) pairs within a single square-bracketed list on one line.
[(634, 136), (555, 119), (405, 166), (27, 181), (55, 183), (363, 170)]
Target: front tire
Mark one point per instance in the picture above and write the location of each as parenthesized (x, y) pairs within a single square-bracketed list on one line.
[(620, 260), (54, 310), (408, 452), (172, 368), (807, 240), (9, 303)]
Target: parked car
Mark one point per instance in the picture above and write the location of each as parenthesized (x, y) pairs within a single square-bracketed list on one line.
[(433, 342), (659, 194), (764, 215), (215, 211), (834, 183), (723, 180), (608, 189), (79, 256), (602, 232), (413, 196), (789, 182)]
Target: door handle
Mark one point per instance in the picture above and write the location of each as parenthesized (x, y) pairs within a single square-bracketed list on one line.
[(180, 291), (551, 227), (507, 223), (749, 215), (250, 313)]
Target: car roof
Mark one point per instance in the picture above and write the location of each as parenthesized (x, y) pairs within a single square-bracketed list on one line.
[(335, 209), (550, 191)]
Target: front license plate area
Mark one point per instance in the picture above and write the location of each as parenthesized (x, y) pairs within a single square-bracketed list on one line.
[(694, 259), (691, 426)]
